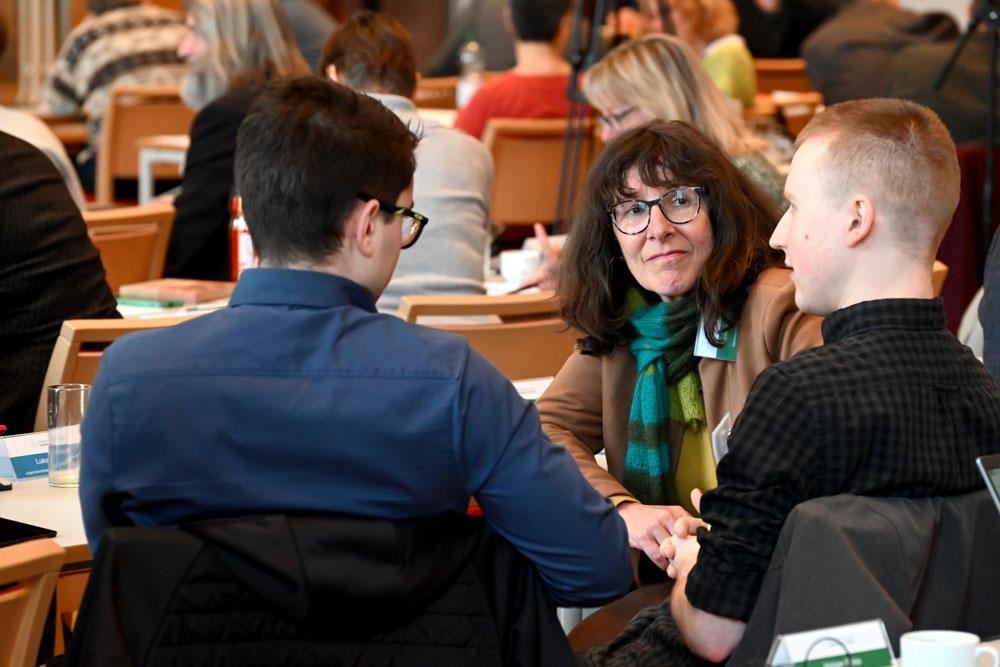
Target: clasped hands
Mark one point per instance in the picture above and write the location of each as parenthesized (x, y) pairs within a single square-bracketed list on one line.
[(665, 533)]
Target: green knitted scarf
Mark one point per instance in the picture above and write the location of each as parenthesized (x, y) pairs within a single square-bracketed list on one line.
[(667, 384)]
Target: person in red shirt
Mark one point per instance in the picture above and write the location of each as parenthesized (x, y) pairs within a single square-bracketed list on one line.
[(536, 87)]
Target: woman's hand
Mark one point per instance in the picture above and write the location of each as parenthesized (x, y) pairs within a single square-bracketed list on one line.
[(650, 525), (551, 246)]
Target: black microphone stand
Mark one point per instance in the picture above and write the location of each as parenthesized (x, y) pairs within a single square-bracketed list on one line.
[(988, 12), (584, 54)]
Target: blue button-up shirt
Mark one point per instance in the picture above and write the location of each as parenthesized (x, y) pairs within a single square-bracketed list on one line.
[(300, 397)]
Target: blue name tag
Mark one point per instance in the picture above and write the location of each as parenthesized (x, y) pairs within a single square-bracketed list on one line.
[(28, 454)]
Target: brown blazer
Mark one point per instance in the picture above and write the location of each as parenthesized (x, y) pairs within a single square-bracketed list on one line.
[(586, 407)]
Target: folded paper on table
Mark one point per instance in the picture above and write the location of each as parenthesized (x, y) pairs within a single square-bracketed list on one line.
[(181, 290), (864, 644)]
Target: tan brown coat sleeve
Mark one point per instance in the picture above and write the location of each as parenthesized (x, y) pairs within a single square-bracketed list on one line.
[(572, 412)]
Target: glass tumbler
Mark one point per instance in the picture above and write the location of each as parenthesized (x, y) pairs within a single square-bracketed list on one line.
[(67, 404)]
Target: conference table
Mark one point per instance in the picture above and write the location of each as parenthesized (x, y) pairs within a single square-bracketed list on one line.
[(34, 501)]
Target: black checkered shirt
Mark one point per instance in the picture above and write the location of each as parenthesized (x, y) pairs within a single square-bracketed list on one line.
[(891, 405)]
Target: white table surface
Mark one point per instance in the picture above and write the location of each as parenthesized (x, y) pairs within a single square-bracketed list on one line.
[(444, 116), (34, 501)]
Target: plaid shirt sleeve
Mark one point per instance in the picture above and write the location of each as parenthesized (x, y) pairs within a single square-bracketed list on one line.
[(764, 475)]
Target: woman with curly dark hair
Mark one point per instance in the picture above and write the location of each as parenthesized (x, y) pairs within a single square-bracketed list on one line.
[(668, 274)]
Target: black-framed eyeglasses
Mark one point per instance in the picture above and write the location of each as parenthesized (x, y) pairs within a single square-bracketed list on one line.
[(678, 205), (413, 222)]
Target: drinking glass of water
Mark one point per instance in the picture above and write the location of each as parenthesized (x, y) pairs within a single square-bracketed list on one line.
[(67, 404)]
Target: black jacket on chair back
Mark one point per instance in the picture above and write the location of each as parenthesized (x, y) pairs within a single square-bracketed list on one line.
[(315, 590)]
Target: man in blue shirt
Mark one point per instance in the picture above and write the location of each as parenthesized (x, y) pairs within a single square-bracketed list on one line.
[(299, 397)]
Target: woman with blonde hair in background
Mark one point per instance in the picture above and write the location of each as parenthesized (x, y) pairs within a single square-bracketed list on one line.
[(659, 77), (232, 48), (710, 28)]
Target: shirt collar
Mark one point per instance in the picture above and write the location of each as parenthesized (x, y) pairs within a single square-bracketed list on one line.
[(725, 40), (395, 103), (295, 287), (881, 314)]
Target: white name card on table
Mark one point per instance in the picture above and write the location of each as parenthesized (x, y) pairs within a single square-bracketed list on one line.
[(28, 454), (864, 644), (531, 389)]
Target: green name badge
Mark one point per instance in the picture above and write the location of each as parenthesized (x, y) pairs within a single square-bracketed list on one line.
[(864, 644), (704, 349)]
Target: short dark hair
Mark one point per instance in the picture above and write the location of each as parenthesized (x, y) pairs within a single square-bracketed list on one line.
[(372, 52), (303, 153), (593, 276), (537, 20), (3, 35)]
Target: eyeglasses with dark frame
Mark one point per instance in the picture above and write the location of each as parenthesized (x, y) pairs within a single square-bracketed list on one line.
[(678, 205), (413, 222)]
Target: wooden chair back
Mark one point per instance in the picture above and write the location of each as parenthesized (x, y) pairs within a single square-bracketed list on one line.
[(521, 350), (437, 92), (78, 349), (781, 74), (785, 92), (133, 112), (527, 160), (507, 307), (526, 340), (132, 240), (32, 567)]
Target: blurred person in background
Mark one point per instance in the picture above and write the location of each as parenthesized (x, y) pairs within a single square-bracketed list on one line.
[(482, 21), (536, 87), (373, 54), (49, 272), (961, 102), (30, 128), (311, 25), (710, 28), (776, 28), (232, 47), (659, 77), (848, 56), (118, 42)]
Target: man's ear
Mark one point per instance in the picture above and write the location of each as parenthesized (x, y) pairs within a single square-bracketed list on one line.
[(862, 220), (361, 227), (332, 73)]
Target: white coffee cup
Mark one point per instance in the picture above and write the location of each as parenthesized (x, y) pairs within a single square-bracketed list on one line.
[(942, 648), (516, 265)]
